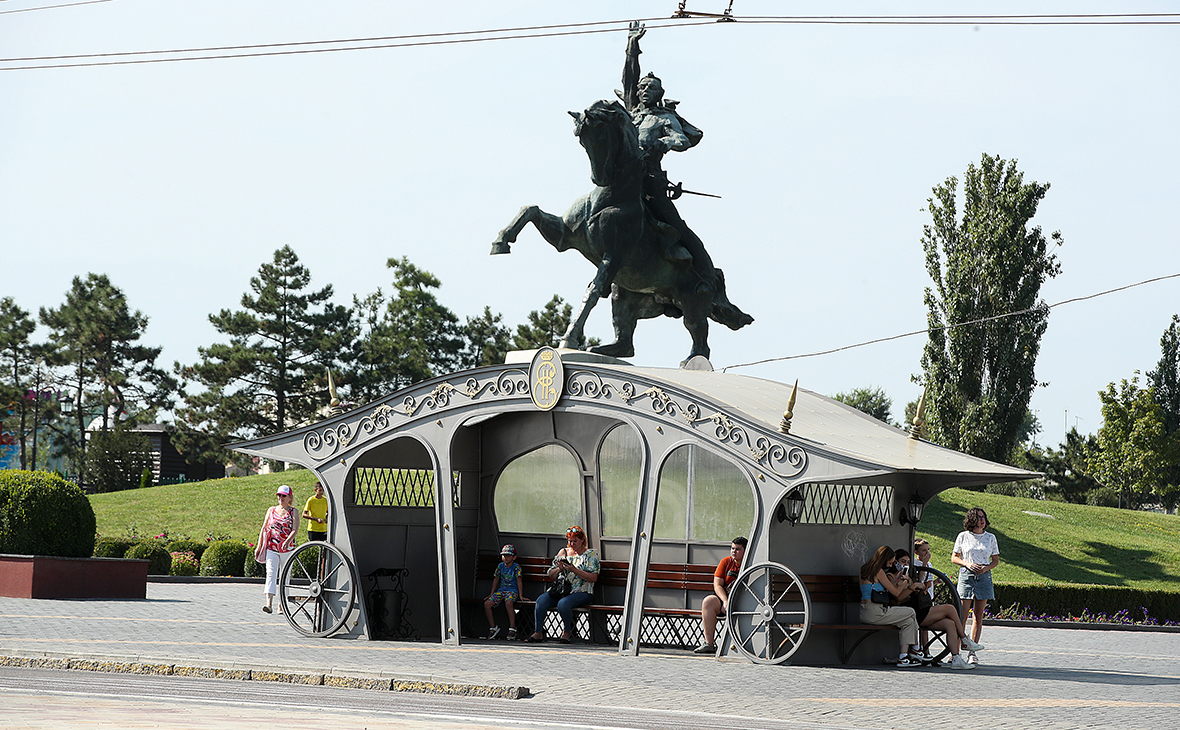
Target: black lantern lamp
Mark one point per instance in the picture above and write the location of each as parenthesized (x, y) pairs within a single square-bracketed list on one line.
[(791, 508), (912, 513)]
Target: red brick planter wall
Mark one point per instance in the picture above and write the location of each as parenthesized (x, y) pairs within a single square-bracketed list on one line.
[(40, 576)]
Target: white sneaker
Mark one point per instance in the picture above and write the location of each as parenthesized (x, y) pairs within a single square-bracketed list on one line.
[(907, 662), (972, 659), (970, 645), (958, 663), (493, 632)]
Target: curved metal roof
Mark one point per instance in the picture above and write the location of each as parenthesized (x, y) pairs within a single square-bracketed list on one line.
[(830, 424)]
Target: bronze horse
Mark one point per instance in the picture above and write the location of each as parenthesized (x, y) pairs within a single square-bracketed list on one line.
[(640, 264)]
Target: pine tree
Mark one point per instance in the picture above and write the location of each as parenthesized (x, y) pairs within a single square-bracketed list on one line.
[(95, 337), (545, 328), (16, 358), (485, 340), (271, 375), (406, 339)]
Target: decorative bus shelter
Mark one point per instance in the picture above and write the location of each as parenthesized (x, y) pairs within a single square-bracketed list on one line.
[(661, 466)]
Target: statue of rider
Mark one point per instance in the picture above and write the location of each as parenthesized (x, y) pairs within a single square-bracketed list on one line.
[(661, 130)]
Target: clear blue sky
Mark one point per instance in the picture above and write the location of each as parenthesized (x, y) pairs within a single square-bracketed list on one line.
[(179, 179)]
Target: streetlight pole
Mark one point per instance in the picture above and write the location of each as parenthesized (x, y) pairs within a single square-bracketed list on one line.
[(36, 410)]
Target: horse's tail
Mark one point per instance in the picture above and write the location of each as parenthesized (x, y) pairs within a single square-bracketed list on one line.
[(724, 311)]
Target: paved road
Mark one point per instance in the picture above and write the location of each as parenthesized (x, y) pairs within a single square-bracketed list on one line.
[(1031, 678)]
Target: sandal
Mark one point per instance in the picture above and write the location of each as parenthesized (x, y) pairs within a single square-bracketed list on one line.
[(511, 634), (266, 609), (564, 639), (534, 639)]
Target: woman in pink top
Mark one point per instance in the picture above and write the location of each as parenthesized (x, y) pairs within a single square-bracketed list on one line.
[(275, 539)]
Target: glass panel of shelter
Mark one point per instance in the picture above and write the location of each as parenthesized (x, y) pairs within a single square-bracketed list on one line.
[(540, 492)]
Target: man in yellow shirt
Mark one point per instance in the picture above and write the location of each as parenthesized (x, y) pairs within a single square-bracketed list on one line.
[(316, 514)]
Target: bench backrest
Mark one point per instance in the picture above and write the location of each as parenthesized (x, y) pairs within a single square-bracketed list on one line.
[(677, 576)]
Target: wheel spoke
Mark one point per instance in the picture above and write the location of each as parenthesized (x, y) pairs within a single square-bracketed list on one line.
[(753, 595), (333, 571)]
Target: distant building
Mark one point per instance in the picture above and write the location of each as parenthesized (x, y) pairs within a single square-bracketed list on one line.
[(168, 465)]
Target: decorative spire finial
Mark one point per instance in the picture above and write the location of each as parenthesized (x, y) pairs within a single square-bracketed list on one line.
[(919, 424), (785, 426), (335, 398)]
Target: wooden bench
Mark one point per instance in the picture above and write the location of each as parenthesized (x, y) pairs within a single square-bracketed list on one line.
[(683, 629), (841, 589), (680, 628)]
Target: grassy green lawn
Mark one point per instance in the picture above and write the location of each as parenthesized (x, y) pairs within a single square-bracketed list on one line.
[(233, 506), (1062, 543), (1073, 544)]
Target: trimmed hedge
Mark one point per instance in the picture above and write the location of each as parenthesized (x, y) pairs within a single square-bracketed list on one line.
[(1071, 600), (253, 568), (224, 557), (196, 547), (159, 559), (113, 547), (43, 514)]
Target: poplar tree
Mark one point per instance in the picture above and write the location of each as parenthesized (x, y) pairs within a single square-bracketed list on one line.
[(984, 308)]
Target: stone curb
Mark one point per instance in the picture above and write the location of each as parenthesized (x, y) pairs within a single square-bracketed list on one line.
[(262, 675)]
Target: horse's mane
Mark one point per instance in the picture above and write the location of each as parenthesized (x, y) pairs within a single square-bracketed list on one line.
[(615, 114)]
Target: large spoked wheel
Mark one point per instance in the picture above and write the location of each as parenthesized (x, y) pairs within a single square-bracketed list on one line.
[(769, 613), (945, 592), (317, 589)]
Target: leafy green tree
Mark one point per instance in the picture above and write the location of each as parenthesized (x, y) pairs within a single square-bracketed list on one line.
[(405, 339), (1132, 446), (1067, 468), (264, 380), (95, 336), (872, 401), (1165, 386), (16, 358), (485, 340), (985, 316)]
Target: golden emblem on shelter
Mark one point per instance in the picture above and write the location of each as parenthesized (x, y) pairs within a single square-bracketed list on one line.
[(546, 378)]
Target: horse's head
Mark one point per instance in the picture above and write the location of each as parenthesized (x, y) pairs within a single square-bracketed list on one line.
[(611, 141)]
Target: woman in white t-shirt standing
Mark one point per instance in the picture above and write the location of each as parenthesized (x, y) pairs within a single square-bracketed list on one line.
[(976, 553)]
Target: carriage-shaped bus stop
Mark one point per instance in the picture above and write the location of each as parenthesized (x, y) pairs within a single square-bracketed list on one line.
[(662, 467)]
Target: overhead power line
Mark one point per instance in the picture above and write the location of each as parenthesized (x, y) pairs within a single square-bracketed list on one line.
[(546, 31), (957, 325), (52, 7)]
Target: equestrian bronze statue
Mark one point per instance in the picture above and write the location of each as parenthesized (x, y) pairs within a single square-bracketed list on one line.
[(649, 262)]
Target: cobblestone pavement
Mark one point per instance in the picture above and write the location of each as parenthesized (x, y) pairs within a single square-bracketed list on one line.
[(1030, 677)]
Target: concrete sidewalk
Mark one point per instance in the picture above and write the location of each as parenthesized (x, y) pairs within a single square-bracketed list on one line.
[(1042, 678)]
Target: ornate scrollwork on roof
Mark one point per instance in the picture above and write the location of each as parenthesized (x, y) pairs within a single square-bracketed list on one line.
[(324, 442), (783, 459)]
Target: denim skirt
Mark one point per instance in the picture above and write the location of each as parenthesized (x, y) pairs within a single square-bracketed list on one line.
[(974, 586)]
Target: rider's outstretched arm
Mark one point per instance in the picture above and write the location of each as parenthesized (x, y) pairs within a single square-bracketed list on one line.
[(631, 70)]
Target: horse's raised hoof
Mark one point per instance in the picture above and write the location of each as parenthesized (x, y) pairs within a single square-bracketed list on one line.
[(501, 247)]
